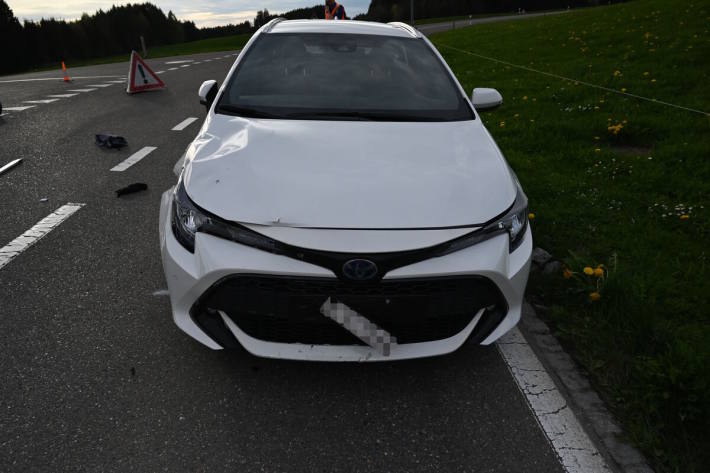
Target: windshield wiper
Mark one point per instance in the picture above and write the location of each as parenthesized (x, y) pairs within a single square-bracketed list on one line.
[(246, 112), (367, 116)]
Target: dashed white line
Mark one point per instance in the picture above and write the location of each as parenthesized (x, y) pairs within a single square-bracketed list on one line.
[(173, 69), (159, 72), (197, 62), (122, 81), (18, 109), (185, 65), (570, 442), (52, 78), (34, 234), (62, 96), (208, 60), (41, 101), (81, 90), (179, 62), (184, 124), (134, 158), (100, 85)]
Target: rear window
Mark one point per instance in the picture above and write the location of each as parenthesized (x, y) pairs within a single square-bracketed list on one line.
[(343, 76)]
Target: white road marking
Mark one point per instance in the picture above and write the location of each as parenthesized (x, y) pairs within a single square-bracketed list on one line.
[(134, 158), (11, 164), (18, 109), (185, 65), (122, 81), (159, 72), (184, 124), (62, 96), (161, 292), (570, 442), (173, 69), (217, 58), (82, 90), (100, 85), (54, 78), (34, 234), (208, 60), (41, 101), (180, 61)]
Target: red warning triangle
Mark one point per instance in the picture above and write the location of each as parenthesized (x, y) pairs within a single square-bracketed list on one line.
[(141, 77)]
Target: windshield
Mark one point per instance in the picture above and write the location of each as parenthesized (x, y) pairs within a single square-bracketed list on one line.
[(323, 76)]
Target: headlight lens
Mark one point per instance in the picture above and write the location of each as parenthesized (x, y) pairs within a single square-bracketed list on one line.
[(188, 219), (514, 223)]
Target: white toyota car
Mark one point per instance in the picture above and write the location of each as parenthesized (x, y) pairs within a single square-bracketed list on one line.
[(344, 202)]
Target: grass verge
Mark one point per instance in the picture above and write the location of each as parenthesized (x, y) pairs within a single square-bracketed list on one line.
[(225, 43), (618, 184)]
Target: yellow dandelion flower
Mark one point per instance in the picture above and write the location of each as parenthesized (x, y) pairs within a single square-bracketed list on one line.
[(567, 273), (525, 97), (588, 271), (623, 89), (597, 150), (516, 115), (653, 80), (531, 216), (645, 73), (594, 296), (599, 272), (502, 124), (684, 217), (596, 107)]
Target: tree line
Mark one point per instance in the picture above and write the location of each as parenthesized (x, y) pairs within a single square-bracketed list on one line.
[(105, 33)]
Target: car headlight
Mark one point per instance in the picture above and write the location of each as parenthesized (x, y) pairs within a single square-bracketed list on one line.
[(514, 222), (188, 219)]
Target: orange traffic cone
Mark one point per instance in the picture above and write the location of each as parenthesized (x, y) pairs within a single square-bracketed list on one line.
[(66, 75)]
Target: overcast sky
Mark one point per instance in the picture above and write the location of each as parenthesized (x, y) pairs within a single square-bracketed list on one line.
[(202, 12)]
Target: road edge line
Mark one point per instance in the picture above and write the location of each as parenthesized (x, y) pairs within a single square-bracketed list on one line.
[(574, 448)]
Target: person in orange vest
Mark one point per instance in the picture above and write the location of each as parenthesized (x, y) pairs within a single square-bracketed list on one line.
[(334, 11)]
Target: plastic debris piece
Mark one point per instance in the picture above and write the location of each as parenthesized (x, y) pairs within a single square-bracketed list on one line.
[(10, 165), (108, 140), (131, 188)]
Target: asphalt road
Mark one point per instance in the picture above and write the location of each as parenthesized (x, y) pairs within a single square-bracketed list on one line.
[(431, 28), (96, 377)]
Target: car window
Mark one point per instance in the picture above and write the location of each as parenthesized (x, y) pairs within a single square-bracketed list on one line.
[(343, 76)]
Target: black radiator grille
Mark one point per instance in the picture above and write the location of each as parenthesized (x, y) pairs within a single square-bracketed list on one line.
[(287, 309)]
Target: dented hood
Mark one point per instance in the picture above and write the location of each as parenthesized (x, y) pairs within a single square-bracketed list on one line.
[(345, 174)]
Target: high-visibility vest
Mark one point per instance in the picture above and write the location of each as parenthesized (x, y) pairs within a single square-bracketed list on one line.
[(331, 14)]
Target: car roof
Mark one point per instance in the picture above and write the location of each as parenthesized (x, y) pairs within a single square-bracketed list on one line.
[(340, 26)]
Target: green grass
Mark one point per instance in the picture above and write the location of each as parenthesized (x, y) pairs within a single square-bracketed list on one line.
[(225, 43), (616, 199)]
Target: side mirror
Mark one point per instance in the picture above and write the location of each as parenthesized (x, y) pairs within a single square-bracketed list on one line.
[(207, 93), (485, 99)]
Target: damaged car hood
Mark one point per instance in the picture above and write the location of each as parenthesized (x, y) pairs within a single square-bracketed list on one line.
[(348, 174)]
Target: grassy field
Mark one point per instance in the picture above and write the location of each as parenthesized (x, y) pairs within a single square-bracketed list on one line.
[(619, 182), (225, 43)]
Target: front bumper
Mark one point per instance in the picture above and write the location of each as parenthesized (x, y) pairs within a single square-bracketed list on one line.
[(191, 276)]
